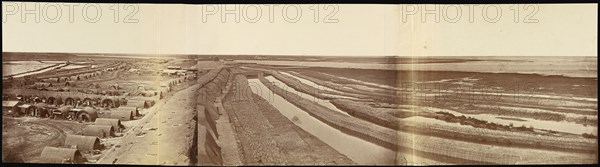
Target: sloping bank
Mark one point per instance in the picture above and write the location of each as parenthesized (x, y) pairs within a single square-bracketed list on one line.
[(206, 150), (308, 89), (267, 137), (362, 111), (387, 96), (365, 130), (470, 132), (429, 147)]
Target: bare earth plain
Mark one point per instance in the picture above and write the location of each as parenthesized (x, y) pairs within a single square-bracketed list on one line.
[(228, 110)]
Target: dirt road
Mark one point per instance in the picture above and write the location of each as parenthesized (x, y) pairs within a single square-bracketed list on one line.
[(164, 136), (27, 136)]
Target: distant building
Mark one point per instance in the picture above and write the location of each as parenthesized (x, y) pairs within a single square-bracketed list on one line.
[(9, 107)]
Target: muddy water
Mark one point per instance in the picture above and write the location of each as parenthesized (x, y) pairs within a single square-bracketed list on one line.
[(416, 120), (41, 71), (358, 150), (364, 82), (72, 66), (16, 67), (310, 83), (317, 100), (321, 87), (318, 86), (562, 126)]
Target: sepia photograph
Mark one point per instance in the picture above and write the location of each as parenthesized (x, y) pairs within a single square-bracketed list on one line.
[(308, 84)]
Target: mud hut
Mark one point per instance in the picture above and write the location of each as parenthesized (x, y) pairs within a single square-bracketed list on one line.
[(65, 155), (38, 99), (113, 92), (53, 80), (138, 104), (108, 102), (86, 114), (42, 85), (94, 85), (25, 109), (70, 101), (63, 79), (135, 110), (147, 93), (88, 101), (115, 123), (51, 99), (106, 92), (86, 76), (150, 103), (115, 86), (70, 83), (40, 109), (59, 101), (62, 112), (100, 131), (121, 114), (83, 143), (77, 98), (123, 101)]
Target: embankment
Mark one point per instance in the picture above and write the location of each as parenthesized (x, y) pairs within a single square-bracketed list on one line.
[(206, 148), (267, 137), (367, 131)]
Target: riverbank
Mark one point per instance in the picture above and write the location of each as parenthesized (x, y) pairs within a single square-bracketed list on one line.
[(267, 137)]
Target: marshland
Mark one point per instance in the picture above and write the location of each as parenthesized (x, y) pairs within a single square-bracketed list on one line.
[(301, 110)]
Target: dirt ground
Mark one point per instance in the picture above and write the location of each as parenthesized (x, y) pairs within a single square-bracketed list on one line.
[(162, 137), (268, 138), (27, 136), (253, 132)]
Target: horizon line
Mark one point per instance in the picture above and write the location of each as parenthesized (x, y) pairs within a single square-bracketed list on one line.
[(295, 55)]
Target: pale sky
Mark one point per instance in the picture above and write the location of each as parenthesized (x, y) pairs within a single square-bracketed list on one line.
[(360, 30)]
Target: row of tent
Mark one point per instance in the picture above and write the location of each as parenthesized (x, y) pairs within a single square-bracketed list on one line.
[(75, 145), (15, 108), (78, 77), (59, 98), (78, 73), (69, 112), (178, 80), (41, 86)]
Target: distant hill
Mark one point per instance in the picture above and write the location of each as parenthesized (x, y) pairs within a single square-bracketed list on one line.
[(22, 56)]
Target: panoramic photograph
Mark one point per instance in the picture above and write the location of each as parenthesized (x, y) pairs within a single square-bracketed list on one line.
[(231, 100), (262, 110)]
